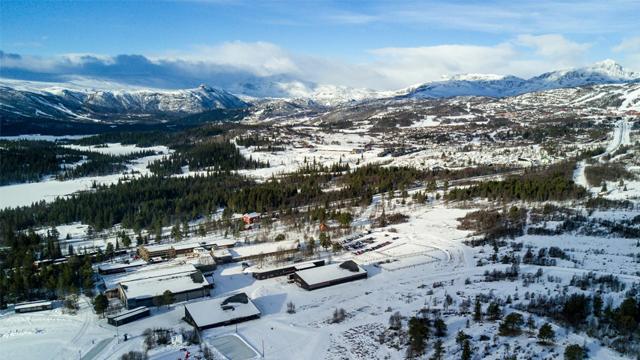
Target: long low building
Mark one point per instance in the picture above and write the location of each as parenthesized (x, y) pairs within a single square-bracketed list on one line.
[(183, 286), (116, 268), (270, 272), (128, 316), (33, 306), (172, 250), (112, 281), (256, 251), (221, 311), (329, 275)]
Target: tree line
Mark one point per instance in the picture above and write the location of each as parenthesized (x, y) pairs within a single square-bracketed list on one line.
[(554, 183)]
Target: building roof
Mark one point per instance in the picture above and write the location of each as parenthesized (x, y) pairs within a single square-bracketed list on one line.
[(33, 304), (264, 248), (146, 288), (298, 266), (221, 309), (318, 275), (128, 314), (252, 214), (116, 266), (189, 244), (147, 272)]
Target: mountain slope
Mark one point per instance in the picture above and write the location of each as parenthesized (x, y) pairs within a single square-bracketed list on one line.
[(604, 72), (35, 100)]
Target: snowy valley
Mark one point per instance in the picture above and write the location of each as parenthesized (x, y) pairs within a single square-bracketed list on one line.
[(480, 217)]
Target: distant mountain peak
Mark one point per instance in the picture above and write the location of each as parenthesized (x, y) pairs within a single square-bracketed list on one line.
[(612, 69), (603, 72), (474, 77)]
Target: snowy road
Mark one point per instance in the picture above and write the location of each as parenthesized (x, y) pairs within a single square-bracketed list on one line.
[(97, 349), (620, 137)]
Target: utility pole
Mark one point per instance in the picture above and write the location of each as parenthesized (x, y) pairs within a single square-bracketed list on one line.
[(262, 348)]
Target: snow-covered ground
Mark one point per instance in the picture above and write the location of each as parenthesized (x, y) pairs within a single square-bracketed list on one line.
[(427, 251), (49, 189)]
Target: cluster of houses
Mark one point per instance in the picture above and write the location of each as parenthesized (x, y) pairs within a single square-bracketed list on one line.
[(143, 282)]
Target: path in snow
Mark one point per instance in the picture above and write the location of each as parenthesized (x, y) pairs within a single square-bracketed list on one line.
[(97, 349), (621, 136)]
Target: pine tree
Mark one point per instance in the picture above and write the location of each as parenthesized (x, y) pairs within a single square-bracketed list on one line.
[(493, 311), (100, 304), (546, 335), (440, 327), (466, 350), (438, 350), (477, 310)]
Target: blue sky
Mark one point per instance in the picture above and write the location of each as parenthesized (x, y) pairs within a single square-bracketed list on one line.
[(380, 44)]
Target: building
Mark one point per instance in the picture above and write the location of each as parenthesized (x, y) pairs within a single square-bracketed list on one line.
[(184, 248), (128, 316), (32, 306), (221, 311), (267, 273), (329, 275), (257, 251), (251, 218), (184, 286), (110, 282), (107, 269), (222, 256)]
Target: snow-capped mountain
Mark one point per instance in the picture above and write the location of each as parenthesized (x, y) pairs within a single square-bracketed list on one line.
[(45, 100), (604, 72), (89, 99)]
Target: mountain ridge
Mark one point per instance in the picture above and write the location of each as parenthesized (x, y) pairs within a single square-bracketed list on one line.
[(97, 100)]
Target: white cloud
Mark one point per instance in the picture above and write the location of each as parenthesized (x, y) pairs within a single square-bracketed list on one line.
[(406, 66), (260, 58), (353, 18), (386, 68), (628, 44), (555, 47), (629, 51)]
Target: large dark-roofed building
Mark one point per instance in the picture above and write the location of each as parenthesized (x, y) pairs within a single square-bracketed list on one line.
[(221, 311), (329, 275), (183, 286), (267, 273)]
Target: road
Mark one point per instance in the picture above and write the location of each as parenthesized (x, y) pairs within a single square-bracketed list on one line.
[(620, 136), (96, 349)]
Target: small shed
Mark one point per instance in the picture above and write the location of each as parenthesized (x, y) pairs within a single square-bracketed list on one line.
[(251, 218)]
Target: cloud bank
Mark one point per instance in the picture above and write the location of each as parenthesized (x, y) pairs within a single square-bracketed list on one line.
[(239, 64)]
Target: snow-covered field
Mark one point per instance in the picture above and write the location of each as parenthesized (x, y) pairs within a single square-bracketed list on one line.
[(412, 266), (49, 189)]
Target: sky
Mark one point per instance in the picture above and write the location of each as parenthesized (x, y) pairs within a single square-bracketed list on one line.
[(376, 44)]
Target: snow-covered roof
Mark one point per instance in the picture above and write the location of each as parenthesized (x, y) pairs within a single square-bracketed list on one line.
[(297, 266), (330, 272), (221, 253), (252, 214), (147, 288), (221, 309), (115, 266), (147, 272), (264, 248), (130, 313), (190, 244), (33, 304)]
